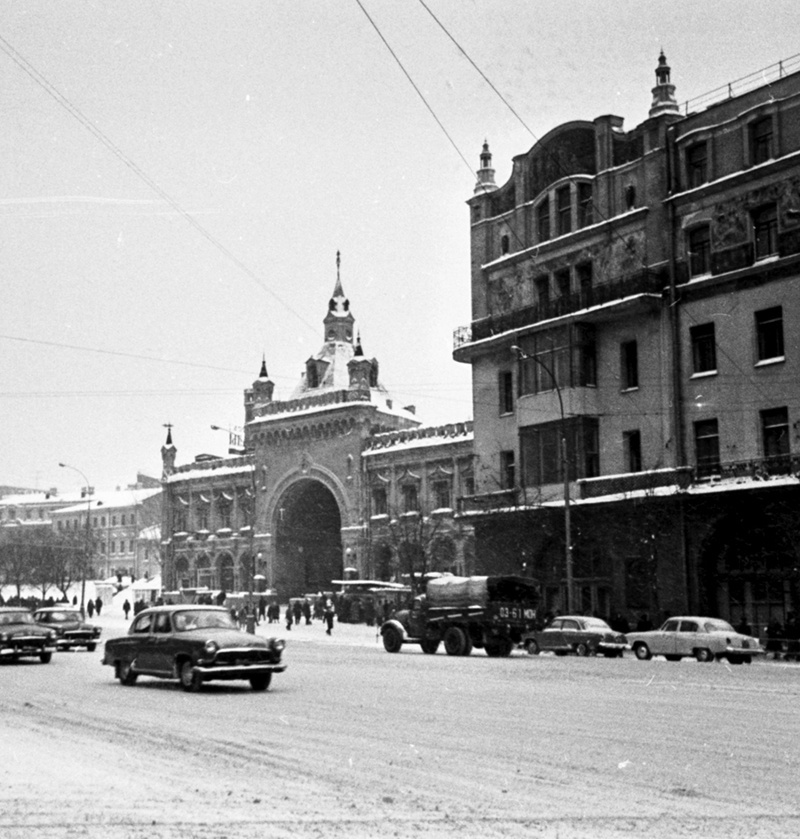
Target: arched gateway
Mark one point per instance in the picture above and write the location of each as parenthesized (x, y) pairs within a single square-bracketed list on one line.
[(308, 543)]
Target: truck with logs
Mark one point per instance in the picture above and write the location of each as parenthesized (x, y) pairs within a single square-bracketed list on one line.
[(490, 613)]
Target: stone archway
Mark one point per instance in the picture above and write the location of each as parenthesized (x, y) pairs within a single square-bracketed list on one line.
[(308, 543)]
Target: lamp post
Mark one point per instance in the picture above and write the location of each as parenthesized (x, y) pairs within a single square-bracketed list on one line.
[(86, 548), (521, 355)]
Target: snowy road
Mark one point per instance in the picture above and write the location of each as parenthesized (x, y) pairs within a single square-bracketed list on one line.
[(353, 742)]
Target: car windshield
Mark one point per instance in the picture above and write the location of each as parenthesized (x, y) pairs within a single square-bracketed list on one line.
[(595, 623), (60, 617), (717, 626), (15, 617), (202, 619)]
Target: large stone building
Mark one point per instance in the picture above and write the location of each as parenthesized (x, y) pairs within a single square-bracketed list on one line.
[(635, 306), (338, 476)]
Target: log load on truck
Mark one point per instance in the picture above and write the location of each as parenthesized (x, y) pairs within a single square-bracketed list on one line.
[(465, 612)]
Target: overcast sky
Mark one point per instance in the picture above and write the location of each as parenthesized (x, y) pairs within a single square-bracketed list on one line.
[(241, 144)]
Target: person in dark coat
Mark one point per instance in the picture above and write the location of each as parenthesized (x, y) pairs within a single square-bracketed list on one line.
[(307, 611), (775, 638), (289, 616), (329, 610), (126, 607), (297, 608), (90, 608), (98, 605)]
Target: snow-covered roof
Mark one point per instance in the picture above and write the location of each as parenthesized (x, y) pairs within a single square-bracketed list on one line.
[(110, 500), (209, 470)]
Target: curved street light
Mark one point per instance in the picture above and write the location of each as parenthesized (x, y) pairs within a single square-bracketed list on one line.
[(521, 355), (86, 548)]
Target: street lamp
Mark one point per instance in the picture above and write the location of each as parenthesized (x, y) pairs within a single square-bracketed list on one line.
[(86, 549), (521, 355)]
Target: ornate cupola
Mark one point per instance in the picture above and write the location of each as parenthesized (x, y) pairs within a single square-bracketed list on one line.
[(363, 373), (168, 452), (664, 101), (485, 173), (339, 320)]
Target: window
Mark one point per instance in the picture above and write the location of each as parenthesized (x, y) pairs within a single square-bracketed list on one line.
[(543, 220), (410, 498), (542, 286), (769, 333), (113, 521), (775, 432), (562, 282), (632, 444), (704, 348), (629, 365), (585, 204), (697, 164), (441, 495), (583, 277), (564, 210), (699, 242), (507, 470), (564, 357), (113, 548), (379, 505), (202, 517), (706, 445), (504, 244), (542, 450), (761, 140), (180, 521), (506, 388), (765, 230), (224, 511)]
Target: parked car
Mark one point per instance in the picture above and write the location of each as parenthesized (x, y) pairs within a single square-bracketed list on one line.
[(193, 644), (705, 639), (577, 634), (22, 637), (69, 626)]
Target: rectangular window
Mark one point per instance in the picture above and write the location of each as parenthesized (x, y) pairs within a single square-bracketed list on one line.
[(697, 164), (113, 548), (775, 432), (225, 516), (585, 205), (542, 286), (629, 365), (564, 210), (564, 357), (583, 278), (507, 470), (543, 450), (442, 495), (765, 230), (202, 517), (761, 140), (699, 241), (543, 220), (706, 445), (506, 388), (562, 281), (632, 444), (704, 348), (410, 498), (769, 333), (379, 501)]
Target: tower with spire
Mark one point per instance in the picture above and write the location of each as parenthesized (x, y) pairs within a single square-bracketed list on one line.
[(664, 101), (485, 181)]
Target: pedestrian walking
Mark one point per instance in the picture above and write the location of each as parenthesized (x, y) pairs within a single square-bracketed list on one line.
[(329, 611), (126, 607), (289, 616), (98, 605), (297, 608), (307, 611)]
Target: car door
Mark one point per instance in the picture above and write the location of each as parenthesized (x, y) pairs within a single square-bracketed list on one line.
[(142, 644), (687, 638), (571, 633), (552, 636), (162, 638), (665, 641)]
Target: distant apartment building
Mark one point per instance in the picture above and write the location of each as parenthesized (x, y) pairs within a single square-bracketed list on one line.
[(635, 300)]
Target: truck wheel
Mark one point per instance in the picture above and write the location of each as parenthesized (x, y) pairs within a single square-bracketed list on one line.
[(392, 639), (455, 641), (429, 647)]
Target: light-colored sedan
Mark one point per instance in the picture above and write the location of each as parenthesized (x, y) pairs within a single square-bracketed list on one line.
[(705, 639)]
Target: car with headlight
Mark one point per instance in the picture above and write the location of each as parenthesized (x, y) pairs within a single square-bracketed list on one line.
[(22, 637), (579, 634), (69, 626), (706, 639), (193, 644)]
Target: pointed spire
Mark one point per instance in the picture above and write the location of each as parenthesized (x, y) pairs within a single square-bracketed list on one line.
[(664, 101), (338, 291), (339, 321), (358, 350), (263, 374), (485, 173), (168, 426)]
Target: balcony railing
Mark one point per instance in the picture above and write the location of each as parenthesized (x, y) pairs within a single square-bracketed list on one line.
[(756, 469), (643, 282)]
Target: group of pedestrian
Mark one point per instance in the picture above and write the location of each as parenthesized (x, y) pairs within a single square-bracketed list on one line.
[(93, 606)]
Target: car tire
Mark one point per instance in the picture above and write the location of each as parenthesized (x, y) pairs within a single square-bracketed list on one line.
[(45, 657), (260, 683), (190, 681), (455, 641), (90, 648), (582, 649), (642, 652), (532, 647), (703, 655), (125, 673), (392, 639), (429, 647)]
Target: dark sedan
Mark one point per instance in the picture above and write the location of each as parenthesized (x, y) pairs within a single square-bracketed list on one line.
[(69, 626), (193, 644), (22, 637), (576, 634)]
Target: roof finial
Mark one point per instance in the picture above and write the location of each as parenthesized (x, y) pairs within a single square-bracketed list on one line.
[(168, 426), (263, 374)]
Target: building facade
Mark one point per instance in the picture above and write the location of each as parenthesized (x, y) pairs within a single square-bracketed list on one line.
[(291, 508), (635, 296)]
